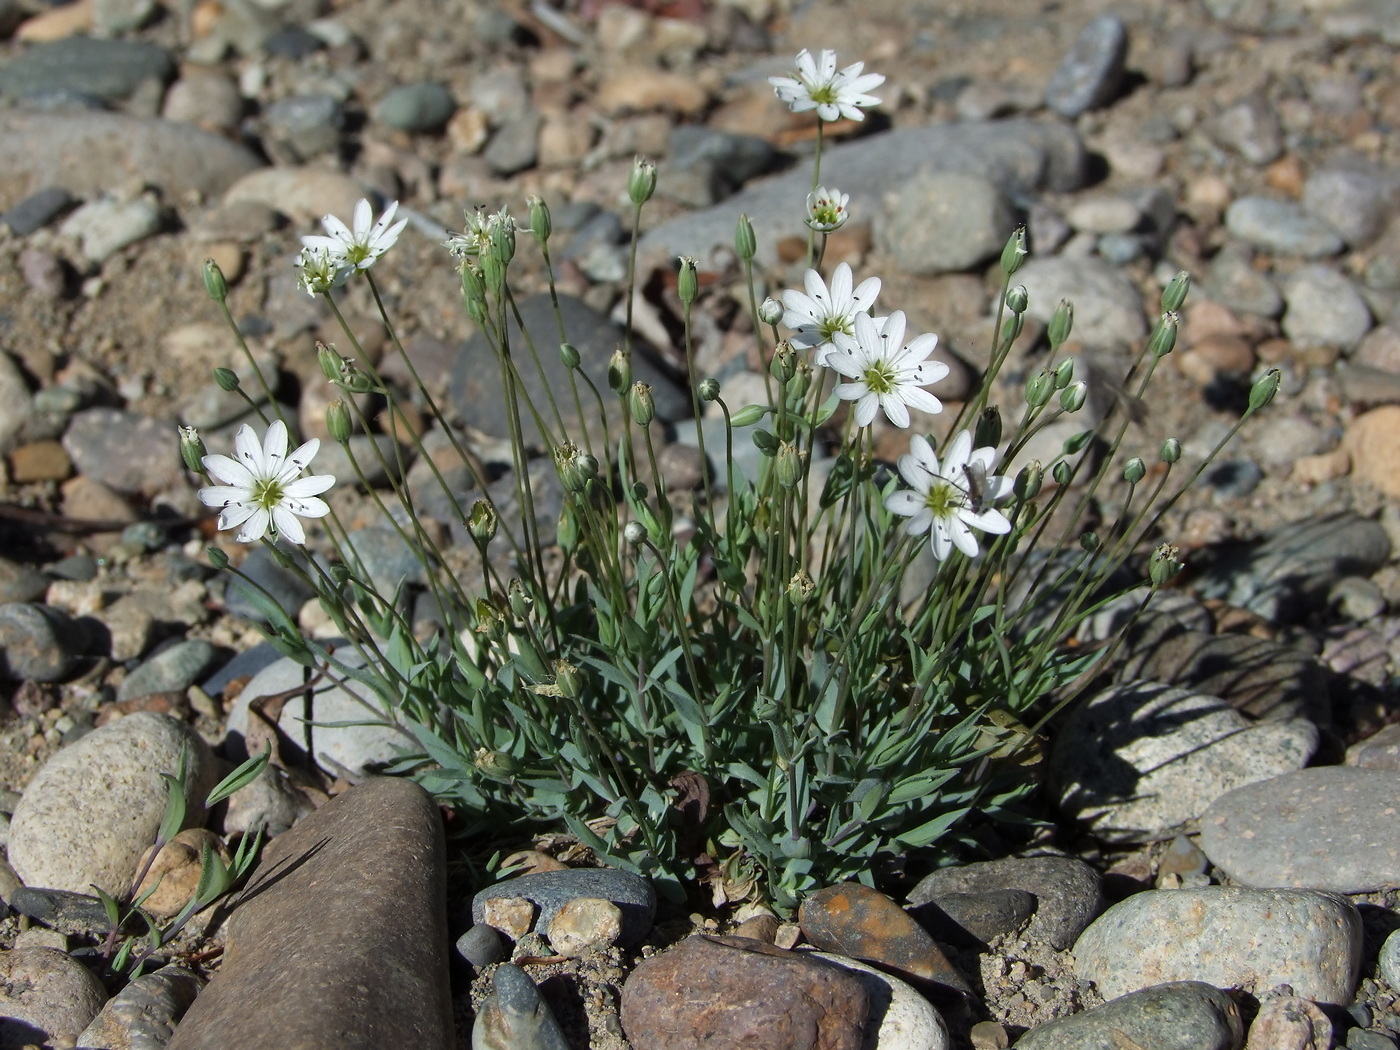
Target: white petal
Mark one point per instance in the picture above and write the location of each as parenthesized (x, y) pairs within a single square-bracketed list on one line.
[(828, 111), (806, 68), (895, 411), (955, 455), (850, 391), (865, 410), (229, 471), (905, 502), (916, 397), (993, 521), (303, 455), (254, 528), (893, 331), (235, 514), (921, 453), (274, 448), (286, 524), (340, 233), (827, 65), (801, 309), (311, 486), (364, 215), (866, 292), (938, 538), (249, 452), (926, 373), (962, 537), (311, 507), (846, 364), (841, 287), (862, 84)]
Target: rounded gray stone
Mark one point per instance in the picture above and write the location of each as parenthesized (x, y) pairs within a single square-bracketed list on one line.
[(551, 890), (1180, 1015), (104, 227), (1250, 128), (1228, 936), (107, 69), (175, 668), (308, 724), (21, 583), (943, 222), (1324, 308), (37, 642), (45, 997), (1234, 282), (1066, 891), (900, 1017), (1281, 227), (416, 107), (1354, 203), (95, 806), (143, 1015), (1389, 962), (1142, 759), (1108, 307), (128, 452), (481, 946), (306, 125), (1327, 828), (16, 402), (1089, 75), (515, 146)]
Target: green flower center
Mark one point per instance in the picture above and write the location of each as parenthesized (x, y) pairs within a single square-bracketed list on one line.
[(880, 378), (267, 493), (822, 93), (826, 215), (944, 499), (833, 324)]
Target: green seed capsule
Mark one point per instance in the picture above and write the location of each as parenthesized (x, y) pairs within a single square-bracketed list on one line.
[(745, 242)]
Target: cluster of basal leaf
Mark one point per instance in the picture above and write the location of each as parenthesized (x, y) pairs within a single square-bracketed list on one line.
[(740, 694)]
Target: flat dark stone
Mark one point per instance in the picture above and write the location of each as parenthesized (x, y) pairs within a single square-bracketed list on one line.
[(36, 210), (339, 940), (551, 890), (60, 909), (108, 69)]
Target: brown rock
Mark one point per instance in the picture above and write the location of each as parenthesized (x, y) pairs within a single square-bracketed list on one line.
[(857, 921), (56, 23), (174, 875), (1214, 355), (1379, 751), (366, 873), (1324, 466), (45, 996), (639, 90), (583, 923), (732, 993), (512, 916), (1374, 443), (1287, 176), (1289, 1022), (39, 461)]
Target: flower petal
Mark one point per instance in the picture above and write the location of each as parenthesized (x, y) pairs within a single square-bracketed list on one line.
[(286, 524)]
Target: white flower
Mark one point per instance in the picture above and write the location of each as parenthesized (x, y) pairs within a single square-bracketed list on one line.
[(482, 230), (320, 270), (821, 313), (886, 372), (948, 502), (818, 86), (826, 209), (358, 248), (261, 491)]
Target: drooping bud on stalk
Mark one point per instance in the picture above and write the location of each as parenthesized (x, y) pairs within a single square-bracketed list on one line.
[(1264, 389), (1061, 322), (520, 602), (641, 183), (541, 223), (784, 363), (745, 242), (214, 281), (619, 371), (1174, 294), (1134, 470), (576, 467), (227, 379), (1039, 387), (217, 557), (1015, 251), (568, 354), (770, 311), (788, 464), (1062, 472), (1017, 299), (765, 442), (338, 421), (1064, 373), (1171, 450), (496, 765), (988, 431), (641, 404), (482, 522), (800, 588), (569, 678), (687, 283), (1163, 339), (192, 449), (1089, 541), (634, 532), (708, 389), (1073, 396), (330, 361), (1028, 481), (748, 415), (1165, 564)]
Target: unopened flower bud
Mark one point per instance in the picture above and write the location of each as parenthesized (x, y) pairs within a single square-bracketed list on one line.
[(745, 243), (1014, 253), (1264, 389), (568, 354), (1028, 481), (687, 282), (330, 361), (1062, 472), (473, 290), (214, 281), (1061, 322), (482, 522), (1171, 450), (520, 602), (1039, 388), (708, 389), (1017, 299), (748, 415), (338, 421), (1064, 373), (801, 380), (788, 464), (641, 183), (566, 531), (784, 362), (1163, 339), (1011, 329), (619, 371), (1089, 541), (988, 430), (576, 467), (227, 379), (541, 225), (634, 532), (493, 272), (352, 379), (494, 764), (1134, 470), (1072, 397), (770, 311), (192, 449), (569, 678), (1165, 564), (217, 557), (503, 239), (641, 404), (800, 588), (1174, 294), (765, 442)]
